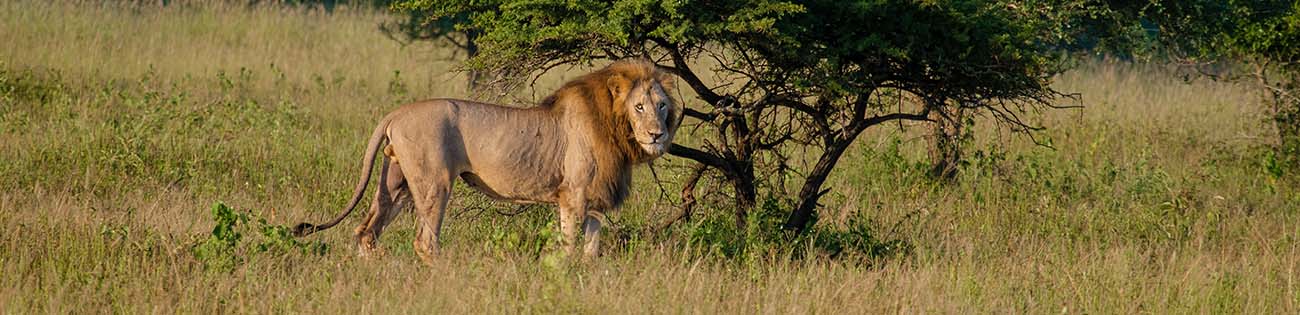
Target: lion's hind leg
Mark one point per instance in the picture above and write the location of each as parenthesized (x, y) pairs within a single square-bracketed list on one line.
[(430, 179), (431, 197), (390, 198)]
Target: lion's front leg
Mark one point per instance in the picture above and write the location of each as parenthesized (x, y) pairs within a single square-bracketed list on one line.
[(573, 208)]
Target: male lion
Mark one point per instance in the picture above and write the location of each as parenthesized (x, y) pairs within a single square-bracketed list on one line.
[(576, 149)]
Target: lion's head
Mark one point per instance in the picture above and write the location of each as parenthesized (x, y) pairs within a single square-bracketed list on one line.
[(632, 103), (651, 113)]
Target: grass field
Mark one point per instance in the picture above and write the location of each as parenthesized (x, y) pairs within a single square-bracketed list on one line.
[(121, 128)]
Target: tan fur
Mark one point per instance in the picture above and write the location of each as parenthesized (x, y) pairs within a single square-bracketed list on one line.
[(576, 149)]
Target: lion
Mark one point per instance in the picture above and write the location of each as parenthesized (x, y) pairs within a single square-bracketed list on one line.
[(576, 149)]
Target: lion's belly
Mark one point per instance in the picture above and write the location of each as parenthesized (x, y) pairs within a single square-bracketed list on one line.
[(520, 191)]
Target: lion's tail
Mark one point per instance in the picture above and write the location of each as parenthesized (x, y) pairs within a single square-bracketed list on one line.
[(376, 139)]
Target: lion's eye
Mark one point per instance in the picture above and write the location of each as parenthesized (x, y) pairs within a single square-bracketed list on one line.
[(639, 108), (662, 106)]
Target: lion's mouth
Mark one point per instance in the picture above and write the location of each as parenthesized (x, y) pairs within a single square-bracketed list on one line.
[(654, 147)]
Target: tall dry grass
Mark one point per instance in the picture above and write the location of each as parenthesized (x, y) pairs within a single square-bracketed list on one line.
[(122, 125)]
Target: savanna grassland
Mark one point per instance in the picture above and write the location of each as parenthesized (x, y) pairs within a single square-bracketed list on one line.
[(125, 129)]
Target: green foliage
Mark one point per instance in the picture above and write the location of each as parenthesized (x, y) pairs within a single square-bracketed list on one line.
[(909, 41), (218, 251), (1089, 26), (1206, 30), (890, 164), (1272, 166), (226, 247), (958, 49), (857, 239), (533, 238), (524, 34), (493, 227)]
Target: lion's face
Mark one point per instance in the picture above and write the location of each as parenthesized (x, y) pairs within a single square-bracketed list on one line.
[(652, 114)]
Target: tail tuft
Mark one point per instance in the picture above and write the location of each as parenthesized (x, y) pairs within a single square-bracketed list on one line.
[(304, 229)]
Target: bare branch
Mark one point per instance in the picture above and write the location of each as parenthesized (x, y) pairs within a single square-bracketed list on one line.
[(700, 156)]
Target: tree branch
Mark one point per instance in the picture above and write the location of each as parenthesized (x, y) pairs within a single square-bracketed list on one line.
[(705, 158), (698, 115)]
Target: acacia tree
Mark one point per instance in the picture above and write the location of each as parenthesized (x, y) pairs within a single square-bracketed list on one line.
[(794, 75)]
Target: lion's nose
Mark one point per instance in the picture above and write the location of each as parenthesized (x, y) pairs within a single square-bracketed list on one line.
[(655, 135)]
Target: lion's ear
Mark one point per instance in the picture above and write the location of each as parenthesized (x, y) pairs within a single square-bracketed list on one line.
[(666, 81), (618, 85)]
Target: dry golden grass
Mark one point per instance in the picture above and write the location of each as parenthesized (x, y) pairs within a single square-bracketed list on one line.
[(121, 126)]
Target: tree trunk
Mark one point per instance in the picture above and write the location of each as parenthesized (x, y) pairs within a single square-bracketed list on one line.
[(945, 142), (1285, 109), (746, 192), (800, 219), (688, 198), (1288, 127)]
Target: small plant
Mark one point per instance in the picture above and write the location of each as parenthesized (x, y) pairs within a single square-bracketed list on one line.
[(529, 240), (1273, 165), (225, 248), (219, 250), (397, 86)]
